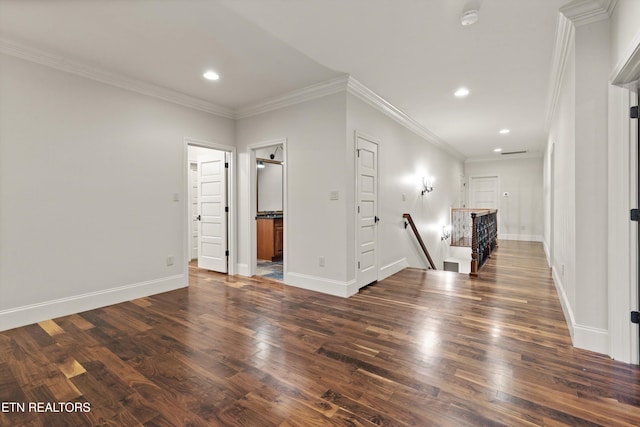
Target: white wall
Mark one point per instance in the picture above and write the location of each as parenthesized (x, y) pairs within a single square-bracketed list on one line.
[(88, 174), (521, 213), (404, 158), (315, 163), (591, 188)]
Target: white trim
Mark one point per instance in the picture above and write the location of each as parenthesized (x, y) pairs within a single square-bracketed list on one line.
[(521, 237), (122, 81), (252, 194), (392, 268), (547, 254), (231, 197), (325, 286), (583, 12), (592, 339), (564, 40), (305, 94), (365, 94), (628, 68), (243, 270), (32, 313), (564, 302)]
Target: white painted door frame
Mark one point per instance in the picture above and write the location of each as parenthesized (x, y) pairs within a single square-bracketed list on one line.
[(231, 197), (252, 244), (622, 195)]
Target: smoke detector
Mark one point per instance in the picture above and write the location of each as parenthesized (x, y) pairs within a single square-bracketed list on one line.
[(469, 17)]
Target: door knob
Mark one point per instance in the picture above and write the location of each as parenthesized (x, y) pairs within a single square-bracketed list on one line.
[(199, 218), (376, 219)]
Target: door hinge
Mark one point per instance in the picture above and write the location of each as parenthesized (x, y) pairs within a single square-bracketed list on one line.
[(635, 317), (358, 209), (358, 265), (358, 150), (634, 112), (226, 165), (226, 208), (226, 253), (635, 215)]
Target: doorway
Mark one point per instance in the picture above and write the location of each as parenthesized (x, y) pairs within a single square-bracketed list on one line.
[(367, 210), (268, 210), (209, 233)]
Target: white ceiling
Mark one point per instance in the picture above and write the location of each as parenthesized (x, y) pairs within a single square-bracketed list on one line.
[(414, 53)]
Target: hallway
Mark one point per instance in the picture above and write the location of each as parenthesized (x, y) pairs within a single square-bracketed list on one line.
[(420, 348)]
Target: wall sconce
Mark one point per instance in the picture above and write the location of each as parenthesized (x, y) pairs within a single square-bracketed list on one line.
[(260, 164), (446, 232), (427, 185)]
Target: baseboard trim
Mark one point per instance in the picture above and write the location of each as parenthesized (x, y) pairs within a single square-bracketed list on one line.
[(590, 338), (33, 313), (521, 237), (243, 270), (320, 284), (564, 302), (584, 337), (547, 254), (392, 268)]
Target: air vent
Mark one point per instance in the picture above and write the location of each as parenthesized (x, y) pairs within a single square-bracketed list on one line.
[(506, 153)]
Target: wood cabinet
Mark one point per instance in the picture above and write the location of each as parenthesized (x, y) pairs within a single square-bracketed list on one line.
[(270, 238)]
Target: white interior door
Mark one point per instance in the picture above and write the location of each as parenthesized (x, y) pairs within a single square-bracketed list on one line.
[(483, 192), (193, 210), (367, 210), (212, 215)]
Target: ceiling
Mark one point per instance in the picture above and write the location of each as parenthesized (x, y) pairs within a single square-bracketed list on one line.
[(413, 53)]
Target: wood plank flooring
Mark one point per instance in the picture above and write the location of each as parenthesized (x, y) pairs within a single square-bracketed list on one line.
[(421, 348)]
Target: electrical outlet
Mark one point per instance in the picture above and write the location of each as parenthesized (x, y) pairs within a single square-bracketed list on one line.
[(321, 261), (169, 260)]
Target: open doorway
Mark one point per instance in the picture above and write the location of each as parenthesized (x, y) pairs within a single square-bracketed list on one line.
[(209, 197), (268, 162)]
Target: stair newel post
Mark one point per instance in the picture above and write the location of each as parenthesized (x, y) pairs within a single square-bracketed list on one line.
[(474, 245)]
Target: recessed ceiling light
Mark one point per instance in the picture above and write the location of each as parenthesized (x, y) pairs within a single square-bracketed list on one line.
[(469, 17), (497, 150), (504, 131), (211, 75), (462, 92)]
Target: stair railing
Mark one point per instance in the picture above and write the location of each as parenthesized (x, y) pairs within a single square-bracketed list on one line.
[(422, 245), (484, 238)]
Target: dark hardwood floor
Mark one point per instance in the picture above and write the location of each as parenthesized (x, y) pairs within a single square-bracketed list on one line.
[(420, 348)]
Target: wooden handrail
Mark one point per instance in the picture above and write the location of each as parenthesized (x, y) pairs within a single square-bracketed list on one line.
[(422, 245)]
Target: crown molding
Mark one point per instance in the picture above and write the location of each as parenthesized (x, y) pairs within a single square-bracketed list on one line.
[(61, 63), (627, 71), (308, 93), (573, 14), (365, 94), (344, 83), (582, 12), (564, 40)]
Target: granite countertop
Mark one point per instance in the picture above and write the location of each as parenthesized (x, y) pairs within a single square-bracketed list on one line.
[(268, 215)]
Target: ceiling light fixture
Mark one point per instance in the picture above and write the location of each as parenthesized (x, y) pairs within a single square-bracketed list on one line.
[(461, 93), (211, 75), (497, 150), (504, 131), (469, 17)]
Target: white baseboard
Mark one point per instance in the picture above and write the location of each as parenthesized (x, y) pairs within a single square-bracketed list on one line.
[(564, 302), (243, 270), (33, 313), (547, 254), (584, 337), (392, 268), (589, 338), (521, 237), (320, 284)]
